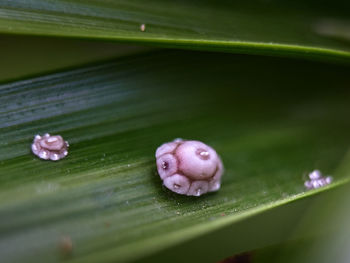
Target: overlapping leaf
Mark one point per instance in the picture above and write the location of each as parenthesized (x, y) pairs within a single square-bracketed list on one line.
[(295, 28)]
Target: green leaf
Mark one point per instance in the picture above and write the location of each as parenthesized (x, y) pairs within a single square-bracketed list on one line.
[(260, 114), (324, 228), (23, 56), (294, 28)]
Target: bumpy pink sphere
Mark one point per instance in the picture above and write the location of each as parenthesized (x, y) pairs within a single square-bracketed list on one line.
[(189, 167)]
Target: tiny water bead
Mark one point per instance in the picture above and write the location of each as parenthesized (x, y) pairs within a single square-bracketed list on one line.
[(189, 167), (50, 147)]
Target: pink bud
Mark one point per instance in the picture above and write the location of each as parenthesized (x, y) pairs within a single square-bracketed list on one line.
[(49, 147), (189, 167)]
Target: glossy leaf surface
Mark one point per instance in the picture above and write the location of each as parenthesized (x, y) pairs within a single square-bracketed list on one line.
[(268, 125)]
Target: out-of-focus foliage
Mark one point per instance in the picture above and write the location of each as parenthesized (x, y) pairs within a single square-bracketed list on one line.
[(293, 28), (24, 56)]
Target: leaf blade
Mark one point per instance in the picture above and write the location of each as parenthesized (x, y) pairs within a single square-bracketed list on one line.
[(271, 28), (106, 194)]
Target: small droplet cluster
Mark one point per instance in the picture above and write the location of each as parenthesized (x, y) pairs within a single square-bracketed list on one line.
[(317, 180), (189, 167), (50, 147)]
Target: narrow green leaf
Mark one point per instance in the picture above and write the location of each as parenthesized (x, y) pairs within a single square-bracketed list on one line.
[(261, 115), (324, 227), (23, 56), (294, 28)]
